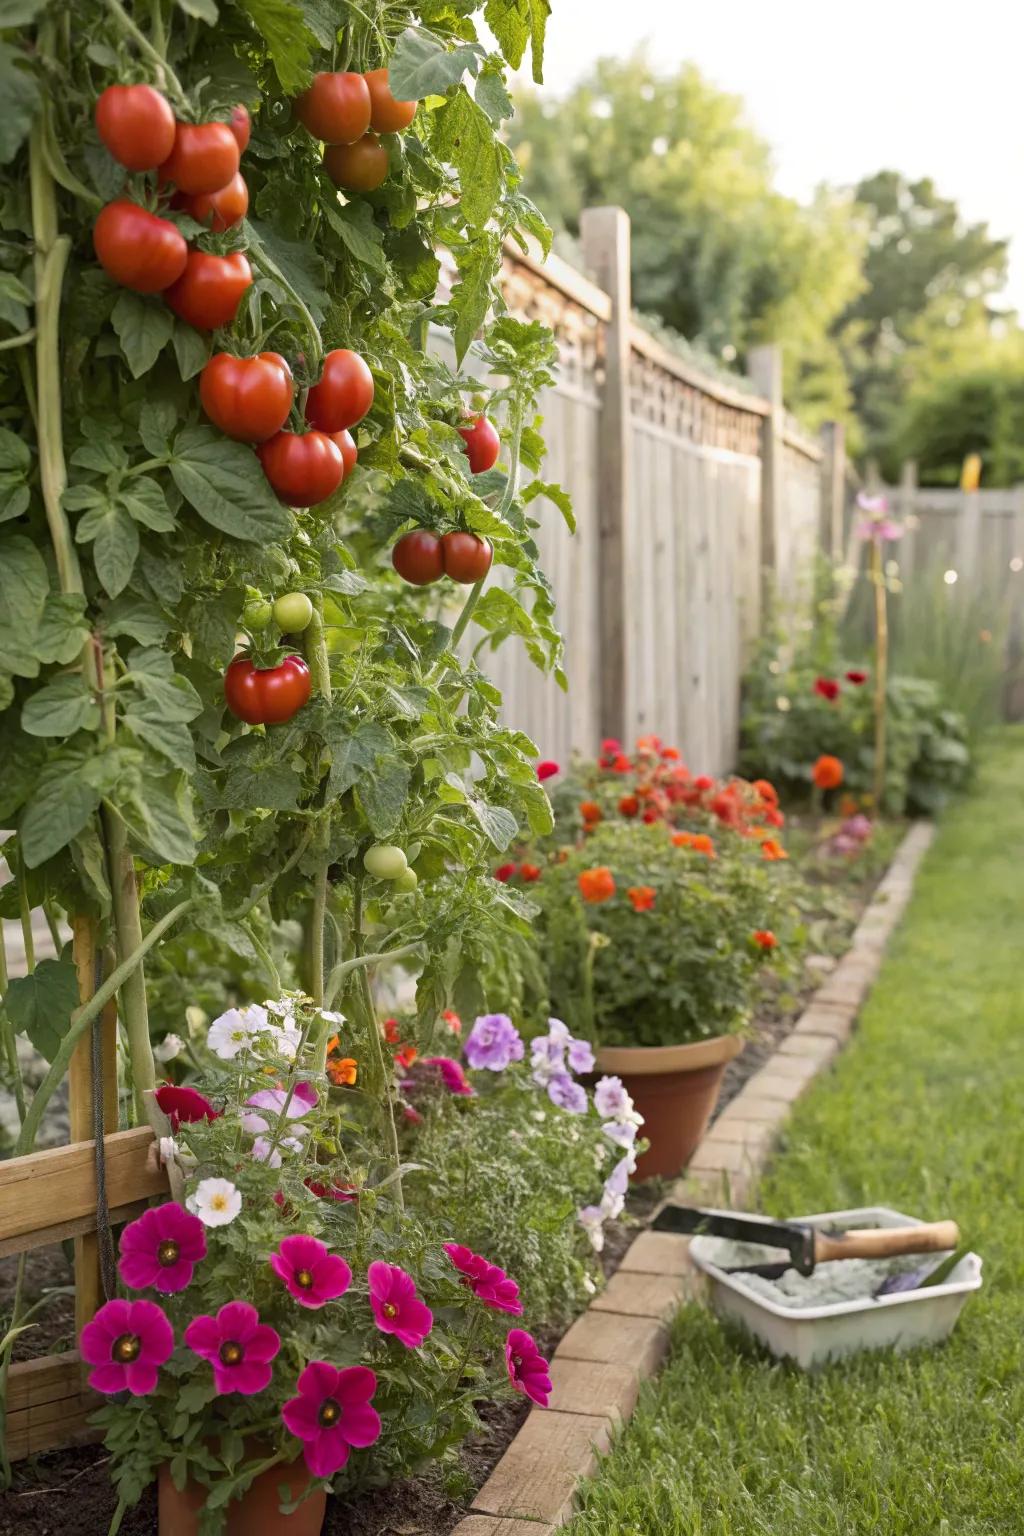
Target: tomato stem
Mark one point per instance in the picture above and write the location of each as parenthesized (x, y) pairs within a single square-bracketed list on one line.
[(142, 42), (259, 256), (384, 1086)]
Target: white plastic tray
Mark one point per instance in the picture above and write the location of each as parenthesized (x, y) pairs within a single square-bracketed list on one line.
[(813, 1335)]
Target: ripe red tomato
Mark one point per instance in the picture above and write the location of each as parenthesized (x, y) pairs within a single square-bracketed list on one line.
[(304, 468), (240, 124), (266, 695), (417, 557), (204, 157), (138, 249), (359, 167), (466, 557), (347, 443), (344, 393), (387, 113), (247, 397), (482, 444), (218, 210), (335, 108), (210, 289), (136, 124)]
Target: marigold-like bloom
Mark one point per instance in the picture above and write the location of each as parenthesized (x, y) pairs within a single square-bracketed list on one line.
[(772, 851), (596, 885), (699, 842), (827, 772), (670, 754), (703, 782), (827, 687), (764, 938), (629, 805), (767, 791), (341, 1070), (856, 676), (622, 764), (590, 810), (642, 897), (650, 745), (530, 872)]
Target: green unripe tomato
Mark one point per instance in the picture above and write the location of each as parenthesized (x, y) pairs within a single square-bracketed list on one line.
[(256, 614), (408, 880), (292, 613), (385, 862)]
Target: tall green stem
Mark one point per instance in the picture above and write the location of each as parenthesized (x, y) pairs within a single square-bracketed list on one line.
[(316, 937), (384, 1093), (881, 671)]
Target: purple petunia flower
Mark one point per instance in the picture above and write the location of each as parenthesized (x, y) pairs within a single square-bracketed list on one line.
[(493, 1043), (527, 1368), (126, 1344), (161, 1249), (581, 1056), (567, 1094), (310, 1274), (237, 1345), (611, 1099), (487, 1281), (273, 1100), (451, 1073), (621, 1132), (396, 1307), (331, 1414)]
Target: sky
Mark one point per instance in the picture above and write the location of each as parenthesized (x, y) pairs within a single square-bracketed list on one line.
[(927, 87)]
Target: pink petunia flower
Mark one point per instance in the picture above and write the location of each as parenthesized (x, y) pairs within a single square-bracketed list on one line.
[(331, 1414), (183, 1106), (396, 1307), (273, 1100), (126, 1344), (452, 1075), (162, 1248), (237, 1345), (311, 1274), (547, 770), (527, 1368), (487, 1281)]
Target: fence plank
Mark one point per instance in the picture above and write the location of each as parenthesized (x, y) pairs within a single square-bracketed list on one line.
[(48, 1405), (52, 1195)]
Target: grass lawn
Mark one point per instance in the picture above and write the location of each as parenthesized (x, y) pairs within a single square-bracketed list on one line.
[(923, 1113)]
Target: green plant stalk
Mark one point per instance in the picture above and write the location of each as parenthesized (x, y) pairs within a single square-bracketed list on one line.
[(25, 914), (316, 652), (10, 1046), (265, 958), (881, 671), (264, 890), (360, 962), (146, 48), (373, 1031), (259, 256)]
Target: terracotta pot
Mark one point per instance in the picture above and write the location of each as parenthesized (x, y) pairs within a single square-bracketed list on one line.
[(675, 1088), (256, 1513)]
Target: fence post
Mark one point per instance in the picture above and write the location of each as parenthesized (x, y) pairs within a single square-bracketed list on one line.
[(88, 1285), (968, 532), (605, 237), (764, 365), (833, 488), (905, 503)]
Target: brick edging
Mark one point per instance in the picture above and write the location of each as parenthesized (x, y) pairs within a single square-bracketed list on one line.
[(622, 1337)]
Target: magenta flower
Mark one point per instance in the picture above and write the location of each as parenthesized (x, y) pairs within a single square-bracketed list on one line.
[(162, 1248), (527, 1368), (396, 1307), (547, 770), (487, 1281), (452, 1075), (331, 1414), (183, 1106), (493, 1043), (312, 1275), (237, 1345), (126, 1344)]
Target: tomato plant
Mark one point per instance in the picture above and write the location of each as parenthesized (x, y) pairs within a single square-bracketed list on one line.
[(136, 124), (336, 107), (222, 209), (385, 862), (417, 557), (343, 394), (266, 695), (386, 114), (482, 444), (293, 612), (209, 291), (359, 167), (138, 249), (303, 467), (247, 397), (466, 557), (204, 157)]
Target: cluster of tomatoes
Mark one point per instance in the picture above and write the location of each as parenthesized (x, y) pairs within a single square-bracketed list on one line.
[(346, 112), (422, 557)]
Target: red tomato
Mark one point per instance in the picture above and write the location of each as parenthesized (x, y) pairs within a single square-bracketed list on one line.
[(482, 444), (204, 157), (417, 557), (344, 393), (387, 114), (359, 167), (218, 210), (240, 124), (136, 124), (335, 108), (304, 468), (247, 397), (466, 557), (138, 249), (210, 289), (347, 443), (266, 695)]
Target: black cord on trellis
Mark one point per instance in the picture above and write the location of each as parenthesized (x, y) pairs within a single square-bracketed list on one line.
[(104, 1235)]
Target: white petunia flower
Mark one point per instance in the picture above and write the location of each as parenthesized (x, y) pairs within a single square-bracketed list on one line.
[(331, 1017), (264, 1151), (591, 1218), (235, 1030), (216, 1202), (169, 1047)]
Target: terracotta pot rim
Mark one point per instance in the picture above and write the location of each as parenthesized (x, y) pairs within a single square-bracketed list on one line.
[(649, 1060)]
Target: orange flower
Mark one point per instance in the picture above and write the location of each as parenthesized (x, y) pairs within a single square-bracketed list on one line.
[(670, 754), (769, 794), (590, 810), (700, 842), (530, 872), (764, 938), (849, 805), (651, 744), (629, 805), (596, 885), (341, 1071), (406, 1055), (772, 850), (827, 772), (391, 1033), (453, 1023), (642, 897)]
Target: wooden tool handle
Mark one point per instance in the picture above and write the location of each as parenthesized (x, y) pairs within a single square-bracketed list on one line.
[(884, 1242)]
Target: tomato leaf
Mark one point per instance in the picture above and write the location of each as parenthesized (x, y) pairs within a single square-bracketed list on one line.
[(224, 483), (56, 813), (200, 10), (115, 544), (20, 96), (15, 460), (420, 66), (144, 501), (498, 824), (191, 348), (288, 39), (146, 719), (471, 296), (61, 708), (516, 23), (383, 794), (353, 223), (40, 1004), (137, 617), (143, 329), (159, 817), (464, 135), (555, 493), (62, 630)]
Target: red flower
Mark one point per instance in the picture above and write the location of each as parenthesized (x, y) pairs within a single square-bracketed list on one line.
[(504, 873), (611, 746), (827, 772), (670, 754), (856, 677), (650, 745), (700, 842), (453, 1022), (590, 811), (703, 782), (621, 764), (764, 938), (596, 885), (629, 805), (392, 1033), (827, 687), (530, 872), (547, 770), (769, 794), (772, 851), (182, 1106), (650, 816), (774, 817), (406, 1055), (642, 897)]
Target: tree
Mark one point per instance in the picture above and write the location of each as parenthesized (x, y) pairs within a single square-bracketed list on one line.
[(718, 254)]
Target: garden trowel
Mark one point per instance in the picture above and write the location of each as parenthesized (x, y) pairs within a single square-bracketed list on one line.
[(805, 1245)]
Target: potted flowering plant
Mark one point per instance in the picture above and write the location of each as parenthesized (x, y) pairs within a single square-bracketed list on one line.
[(290, 1320), (655, 925)]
